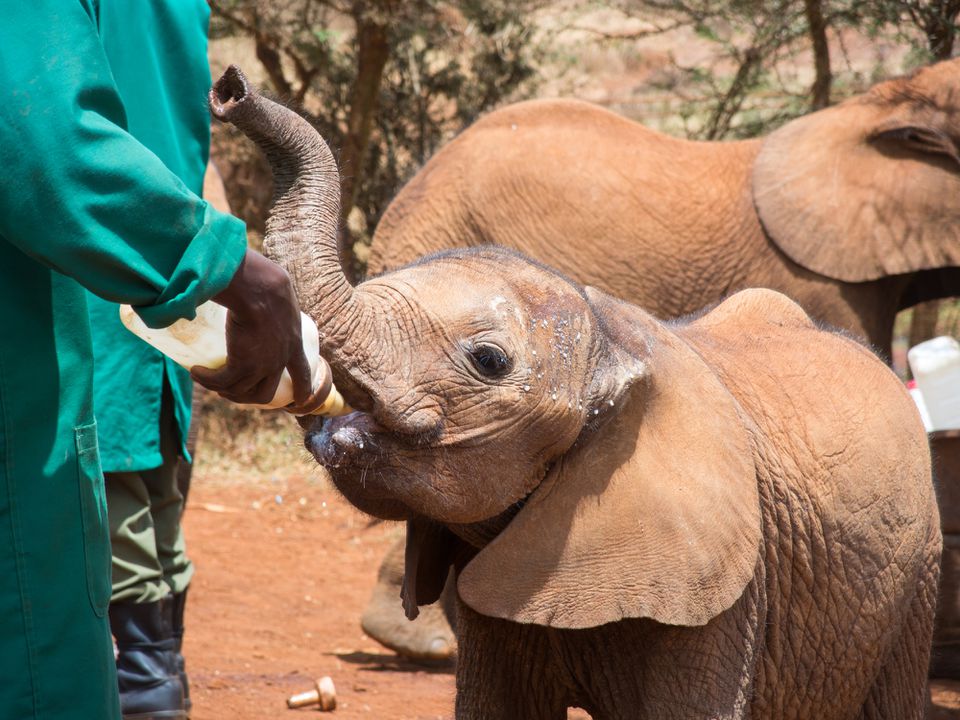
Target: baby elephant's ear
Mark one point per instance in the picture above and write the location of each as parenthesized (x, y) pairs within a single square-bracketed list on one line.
[(655, 516)]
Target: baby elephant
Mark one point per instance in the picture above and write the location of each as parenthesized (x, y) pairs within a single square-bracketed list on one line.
[(730, 517)]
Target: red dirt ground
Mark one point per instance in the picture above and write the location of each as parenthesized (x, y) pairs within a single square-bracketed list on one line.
[(276, 601)]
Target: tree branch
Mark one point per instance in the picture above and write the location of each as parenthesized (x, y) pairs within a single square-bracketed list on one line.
[(269, 57), (630, 34)]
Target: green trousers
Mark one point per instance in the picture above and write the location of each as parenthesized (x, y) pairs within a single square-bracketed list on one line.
[(144, 508)]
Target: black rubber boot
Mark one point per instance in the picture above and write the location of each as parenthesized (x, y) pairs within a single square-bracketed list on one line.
[(178, 604), (147, 672)]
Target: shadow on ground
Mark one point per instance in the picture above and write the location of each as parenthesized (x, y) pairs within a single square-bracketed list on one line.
[(388, 662)]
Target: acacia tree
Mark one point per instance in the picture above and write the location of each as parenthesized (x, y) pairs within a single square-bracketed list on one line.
[(937, 19), (746, 90), (386, 81), (817, 29)]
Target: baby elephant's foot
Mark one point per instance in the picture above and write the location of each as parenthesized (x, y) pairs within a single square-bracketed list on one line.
[(427, 640)]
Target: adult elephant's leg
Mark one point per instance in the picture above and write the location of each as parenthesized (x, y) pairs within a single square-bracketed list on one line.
[(429, 638), (506, 671)]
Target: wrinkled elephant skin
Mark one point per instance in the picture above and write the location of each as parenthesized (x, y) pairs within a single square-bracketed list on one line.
[(854, 212)]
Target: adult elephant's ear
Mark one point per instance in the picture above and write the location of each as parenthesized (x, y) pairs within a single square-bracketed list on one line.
[(655, 514), (866, 189)]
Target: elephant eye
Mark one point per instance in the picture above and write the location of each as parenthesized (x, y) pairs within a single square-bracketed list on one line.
[(489, 360)]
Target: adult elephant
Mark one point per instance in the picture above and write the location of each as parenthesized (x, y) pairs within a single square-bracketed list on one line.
[(853, 211)]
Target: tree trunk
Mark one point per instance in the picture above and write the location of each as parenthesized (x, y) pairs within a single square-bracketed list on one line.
[(939, 22), (820, 91), (269, 58), (373, 51), (722, 115)]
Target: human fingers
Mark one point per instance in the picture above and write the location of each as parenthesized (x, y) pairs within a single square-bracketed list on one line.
[(216, 379), (260, 393), (239, 384), (300, 374)]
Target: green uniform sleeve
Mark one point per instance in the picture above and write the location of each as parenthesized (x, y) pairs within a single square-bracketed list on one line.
[(81, 195)]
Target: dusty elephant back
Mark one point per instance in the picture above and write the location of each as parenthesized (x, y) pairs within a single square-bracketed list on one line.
[(590, 193), (841, 414), (667, 224), (849, 513)]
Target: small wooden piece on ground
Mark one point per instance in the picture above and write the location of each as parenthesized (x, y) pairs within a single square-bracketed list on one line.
[(324, 694)]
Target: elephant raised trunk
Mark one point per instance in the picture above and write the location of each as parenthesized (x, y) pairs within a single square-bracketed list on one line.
[(302, 227)]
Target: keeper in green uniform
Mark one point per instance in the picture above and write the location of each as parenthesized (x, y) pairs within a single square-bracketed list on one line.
[(84, 203), (157, 53)]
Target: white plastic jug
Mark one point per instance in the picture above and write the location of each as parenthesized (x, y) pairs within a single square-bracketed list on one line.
[(935, 365), (203, 341)]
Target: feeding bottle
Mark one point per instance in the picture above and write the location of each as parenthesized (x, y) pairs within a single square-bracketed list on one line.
[(203, 341)]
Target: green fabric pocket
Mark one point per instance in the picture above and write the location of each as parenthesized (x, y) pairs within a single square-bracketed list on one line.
[(93, 507)]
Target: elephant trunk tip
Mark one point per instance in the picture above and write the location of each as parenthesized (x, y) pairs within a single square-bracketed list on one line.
[(229, 92)]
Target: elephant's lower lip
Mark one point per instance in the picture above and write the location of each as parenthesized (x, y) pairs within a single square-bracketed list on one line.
[(342, 442)]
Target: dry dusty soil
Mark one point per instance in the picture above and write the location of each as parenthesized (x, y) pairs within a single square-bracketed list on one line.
[(284, 568)]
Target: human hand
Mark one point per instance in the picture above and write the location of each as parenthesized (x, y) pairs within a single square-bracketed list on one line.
[(263, 337)]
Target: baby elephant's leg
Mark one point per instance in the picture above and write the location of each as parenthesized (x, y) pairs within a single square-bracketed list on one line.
[(506, 671), (900, 689)]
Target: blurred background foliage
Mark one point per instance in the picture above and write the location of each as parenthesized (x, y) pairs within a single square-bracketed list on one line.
[(386, 82), (764, 49)]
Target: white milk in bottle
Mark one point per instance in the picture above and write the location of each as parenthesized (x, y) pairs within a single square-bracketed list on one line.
[(203, 341)]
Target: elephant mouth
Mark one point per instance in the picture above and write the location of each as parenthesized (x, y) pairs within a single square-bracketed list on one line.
[(352, 448), (346, 441)]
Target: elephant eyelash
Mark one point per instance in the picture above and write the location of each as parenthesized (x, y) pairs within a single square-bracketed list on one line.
[(489, 360)]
